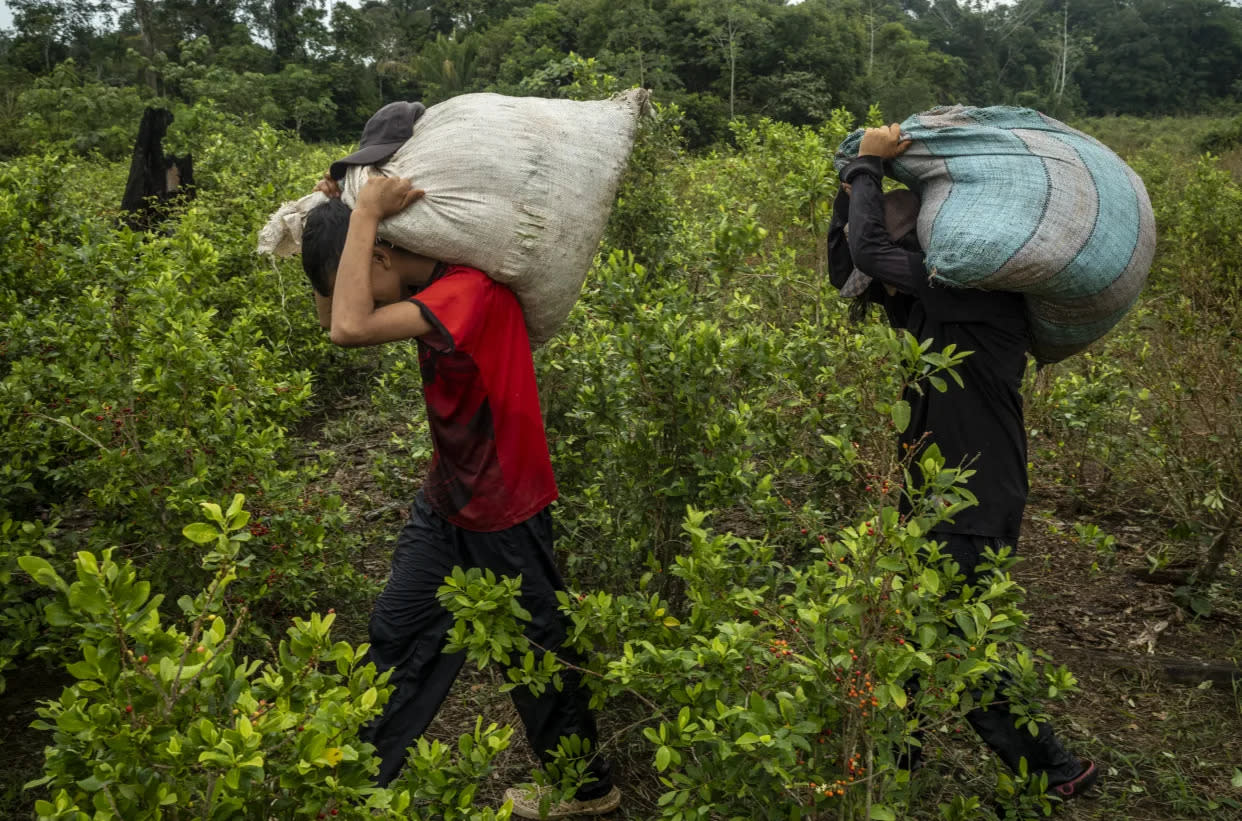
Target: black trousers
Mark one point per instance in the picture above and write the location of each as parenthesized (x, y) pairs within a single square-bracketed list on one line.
[(408, 629), (995, 725)]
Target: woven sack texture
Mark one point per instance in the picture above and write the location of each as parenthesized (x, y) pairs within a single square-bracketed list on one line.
[(518, 187), (282, 236), (1013, 200)]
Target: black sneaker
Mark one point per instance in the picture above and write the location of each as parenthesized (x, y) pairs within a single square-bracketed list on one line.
[(1077, 785)]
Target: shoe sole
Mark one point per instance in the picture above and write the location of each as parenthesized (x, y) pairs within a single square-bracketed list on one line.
[(1077, 785), (607, 802)]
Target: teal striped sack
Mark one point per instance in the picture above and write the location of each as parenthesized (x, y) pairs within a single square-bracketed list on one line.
[(1013, 200)]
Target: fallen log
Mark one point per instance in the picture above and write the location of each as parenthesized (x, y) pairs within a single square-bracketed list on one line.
[(1191, 672)]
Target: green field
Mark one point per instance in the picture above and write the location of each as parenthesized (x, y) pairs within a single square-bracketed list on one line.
[(720, 433)]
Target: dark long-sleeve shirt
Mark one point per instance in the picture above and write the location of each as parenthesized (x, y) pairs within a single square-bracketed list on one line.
[(980, 423)]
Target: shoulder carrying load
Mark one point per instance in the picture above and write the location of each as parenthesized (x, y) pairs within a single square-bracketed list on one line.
[(518, 187), (1013, 200)]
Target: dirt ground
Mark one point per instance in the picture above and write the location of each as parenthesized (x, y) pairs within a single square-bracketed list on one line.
[(1166, 750)]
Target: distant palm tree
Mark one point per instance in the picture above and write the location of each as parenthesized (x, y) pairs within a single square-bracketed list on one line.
[(446, 66)]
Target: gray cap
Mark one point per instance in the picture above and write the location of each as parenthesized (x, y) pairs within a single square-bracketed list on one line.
[(384, 133)]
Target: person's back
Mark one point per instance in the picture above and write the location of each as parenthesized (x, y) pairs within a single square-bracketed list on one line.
[(491, 467), (978, 424)]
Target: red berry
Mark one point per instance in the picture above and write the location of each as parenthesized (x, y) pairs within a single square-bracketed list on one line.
[(129, 708)]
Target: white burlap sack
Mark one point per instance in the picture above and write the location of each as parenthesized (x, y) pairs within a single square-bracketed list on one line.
[(282, 236), (518, 187)]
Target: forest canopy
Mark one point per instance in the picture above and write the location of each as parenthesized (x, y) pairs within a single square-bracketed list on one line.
[(321, 70)]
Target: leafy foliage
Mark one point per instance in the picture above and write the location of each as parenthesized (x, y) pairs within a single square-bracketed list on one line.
[(291, 65), (721, 433)]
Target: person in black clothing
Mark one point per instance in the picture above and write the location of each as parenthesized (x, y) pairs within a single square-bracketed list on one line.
[(879, 261)]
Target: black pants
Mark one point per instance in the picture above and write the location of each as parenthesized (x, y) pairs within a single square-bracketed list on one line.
[(995, 725), (408, 629)]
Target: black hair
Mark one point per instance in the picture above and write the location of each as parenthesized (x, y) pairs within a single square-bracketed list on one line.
[(323, 242)]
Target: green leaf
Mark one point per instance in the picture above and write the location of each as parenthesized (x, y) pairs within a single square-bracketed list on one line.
[(664, 757), (41, 571), (881, 813), (213, 512), (200, 532), (91, 784), (1237, 778), (901, 415)]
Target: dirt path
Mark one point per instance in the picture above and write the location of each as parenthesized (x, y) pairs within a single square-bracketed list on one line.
[(1167, 751)]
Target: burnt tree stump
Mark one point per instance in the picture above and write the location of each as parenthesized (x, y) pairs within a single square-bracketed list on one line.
[(156, 180)]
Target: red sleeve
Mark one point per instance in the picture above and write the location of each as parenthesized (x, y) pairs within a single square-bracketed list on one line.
[(455, 306)]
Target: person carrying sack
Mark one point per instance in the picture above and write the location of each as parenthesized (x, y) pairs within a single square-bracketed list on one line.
[(879, 261), (485, 500)]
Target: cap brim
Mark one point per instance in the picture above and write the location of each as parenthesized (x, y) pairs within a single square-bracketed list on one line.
[(363, 156)]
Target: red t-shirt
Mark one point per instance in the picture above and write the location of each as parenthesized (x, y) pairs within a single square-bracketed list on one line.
[(491, 469)]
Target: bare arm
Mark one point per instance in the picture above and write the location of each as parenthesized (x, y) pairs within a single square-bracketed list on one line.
[(355, 319)]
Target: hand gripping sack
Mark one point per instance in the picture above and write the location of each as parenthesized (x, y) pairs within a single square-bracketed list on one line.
[(518, 187), (1013, 200)]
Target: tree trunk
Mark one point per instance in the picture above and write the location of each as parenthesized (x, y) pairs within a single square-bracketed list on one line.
[(870, 37), (142, 14), (285, 30), (1064, 50), (732, 72)]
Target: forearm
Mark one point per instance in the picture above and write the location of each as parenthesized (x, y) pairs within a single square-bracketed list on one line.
[(352, 300), (871, 248)]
